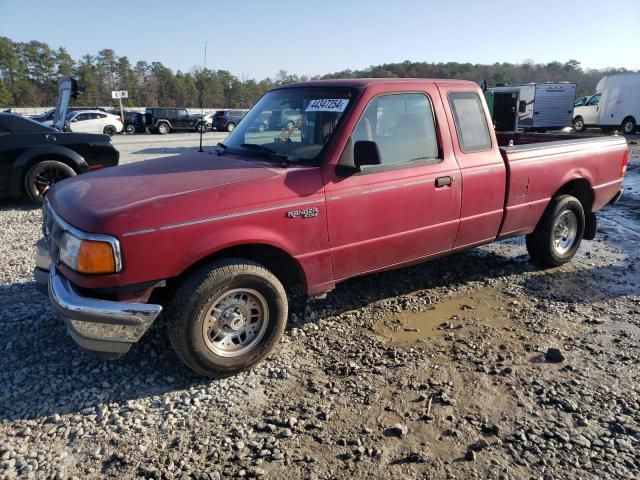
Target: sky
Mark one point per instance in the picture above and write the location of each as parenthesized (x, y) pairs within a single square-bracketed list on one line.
[(256, 39)]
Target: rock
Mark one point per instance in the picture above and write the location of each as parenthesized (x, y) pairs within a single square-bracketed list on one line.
[(581, 441), (479, 445), (554, 355), (416, 457), (398, 430), (470, 456)]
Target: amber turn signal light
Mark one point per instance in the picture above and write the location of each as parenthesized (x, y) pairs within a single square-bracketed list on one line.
[(95, 257)]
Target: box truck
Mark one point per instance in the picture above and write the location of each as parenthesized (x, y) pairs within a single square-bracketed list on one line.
[(615, 105)]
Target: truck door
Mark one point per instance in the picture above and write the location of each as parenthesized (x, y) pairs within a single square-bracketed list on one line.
[(591, 109), (405, 208), (482, 169)]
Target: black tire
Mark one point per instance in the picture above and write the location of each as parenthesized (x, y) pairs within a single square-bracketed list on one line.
[(130, 128), (163, 128), (231, 126), (578, 124), (262, 127), (42, 176), (201, 127), (290, 125), (542, 244), (191, 312), (629, 126), (109, 130)]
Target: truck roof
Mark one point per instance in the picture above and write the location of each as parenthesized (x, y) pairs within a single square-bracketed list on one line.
[(363, 82)]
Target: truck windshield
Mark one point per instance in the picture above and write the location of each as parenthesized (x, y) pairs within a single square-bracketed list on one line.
[(293, 123)]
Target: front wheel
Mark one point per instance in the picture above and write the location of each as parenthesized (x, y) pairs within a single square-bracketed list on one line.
[(130, 128), (44, 175), (629, 126), (227, 316), (201, 128), (230, 127), (578, 124), (558, 234)]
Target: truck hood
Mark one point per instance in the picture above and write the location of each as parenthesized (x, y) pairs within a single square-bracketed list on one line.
[(165, 191)]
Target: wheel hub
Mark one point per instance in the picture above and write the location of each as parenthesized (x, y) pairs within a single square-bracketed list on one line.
[(233, 319), (565, 231), (235, 322)]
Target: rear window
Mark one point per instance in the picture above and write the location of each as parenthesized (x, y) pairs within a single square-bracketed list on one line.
[(471, 122)]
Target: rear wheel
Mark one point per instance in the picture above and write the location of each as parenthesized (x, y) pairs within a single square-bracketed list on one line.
[(201, 127), (227, 316), (578, 124), (109, 130), (130, 128), (163, 128), (231, 126), (629, 126), (262, 127), (558, 235), (44, 175)]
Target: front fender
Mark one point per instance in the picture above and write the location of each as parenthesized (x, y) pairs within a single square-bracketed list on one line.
[(45, 152), (235, 236)]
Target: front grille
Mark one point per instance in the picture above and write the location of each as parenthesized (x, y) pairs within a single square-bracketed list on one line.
[(52, 230)]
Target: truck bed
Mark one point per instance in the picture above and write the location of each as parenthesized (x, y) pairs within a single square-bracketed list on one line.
[(538, 163)]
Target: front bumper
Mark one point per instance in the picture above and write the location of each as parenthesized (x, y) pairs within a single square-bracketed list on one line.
[(104, 327)]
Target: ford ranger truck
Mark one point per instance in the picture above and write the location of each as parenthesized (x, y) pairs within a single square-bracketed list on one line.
[(378, 174)]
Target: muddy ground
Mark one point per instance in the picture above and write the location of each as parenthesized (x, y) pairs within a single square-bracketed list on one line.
[(434, 371)]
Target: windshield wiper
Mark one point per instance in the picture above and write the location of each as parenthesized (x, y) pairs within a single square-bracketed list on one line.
[(274, 156)]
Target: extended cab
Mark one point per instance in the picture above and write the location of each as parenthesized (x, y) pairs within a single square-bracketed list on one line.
[(377, 174)]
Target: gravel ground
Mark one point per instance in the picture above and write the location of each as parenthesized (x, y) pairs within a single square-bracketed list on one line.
[(442, 370)]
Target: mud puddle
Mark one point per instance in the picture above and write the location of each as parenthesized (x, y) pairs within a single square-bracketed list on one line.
[(483, 308)]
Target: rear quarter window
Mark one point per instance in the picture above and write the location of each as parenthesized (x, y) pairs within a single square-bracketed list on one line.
[(471, 122)]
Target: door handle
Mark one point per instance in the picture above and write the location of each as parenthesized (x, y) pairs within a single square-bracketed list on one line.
[(51, 138), (444, 181)]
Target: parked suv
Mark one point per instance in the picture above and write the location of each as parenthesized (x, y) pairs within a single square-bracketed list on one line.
[(227, 120), (165, 120), (93, 121), (135, 122)]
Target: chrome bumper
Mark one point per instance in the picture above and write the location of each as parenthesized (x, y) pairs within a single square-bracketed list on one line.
[(105, 327)]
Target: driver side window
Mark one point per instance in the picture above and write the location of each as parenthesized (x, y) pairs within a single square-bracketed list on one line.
[(594, 100), (403, 127)]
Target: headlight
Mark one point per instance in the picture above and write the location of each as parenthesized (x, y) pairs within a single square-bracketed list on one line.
[(87, 256)]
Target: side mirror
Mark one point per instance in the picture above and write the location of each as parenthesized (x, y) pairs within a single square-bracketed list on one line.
[(366, 152), (522, 106)]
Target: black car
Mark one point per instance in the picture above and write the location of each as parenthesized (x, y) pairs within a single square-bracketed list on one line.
[(226, 120), (135, 122), (34, 156), (165, 120)]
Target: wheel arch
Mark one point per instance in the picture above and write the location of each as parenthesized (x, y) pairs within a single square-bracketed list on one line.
[(581, 189), (275, 259), (32, 156)]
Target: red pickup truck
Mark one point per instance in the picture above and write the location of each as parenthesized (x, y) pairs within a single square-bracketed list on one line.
[(377, 174)]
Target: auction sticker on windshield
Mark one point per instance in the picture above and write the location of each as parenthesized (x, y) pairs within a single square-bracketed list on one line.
[(327, 105)]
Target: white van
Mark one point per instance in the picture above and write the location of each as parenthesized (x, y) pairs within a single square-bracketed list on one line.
[(615, 105)]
